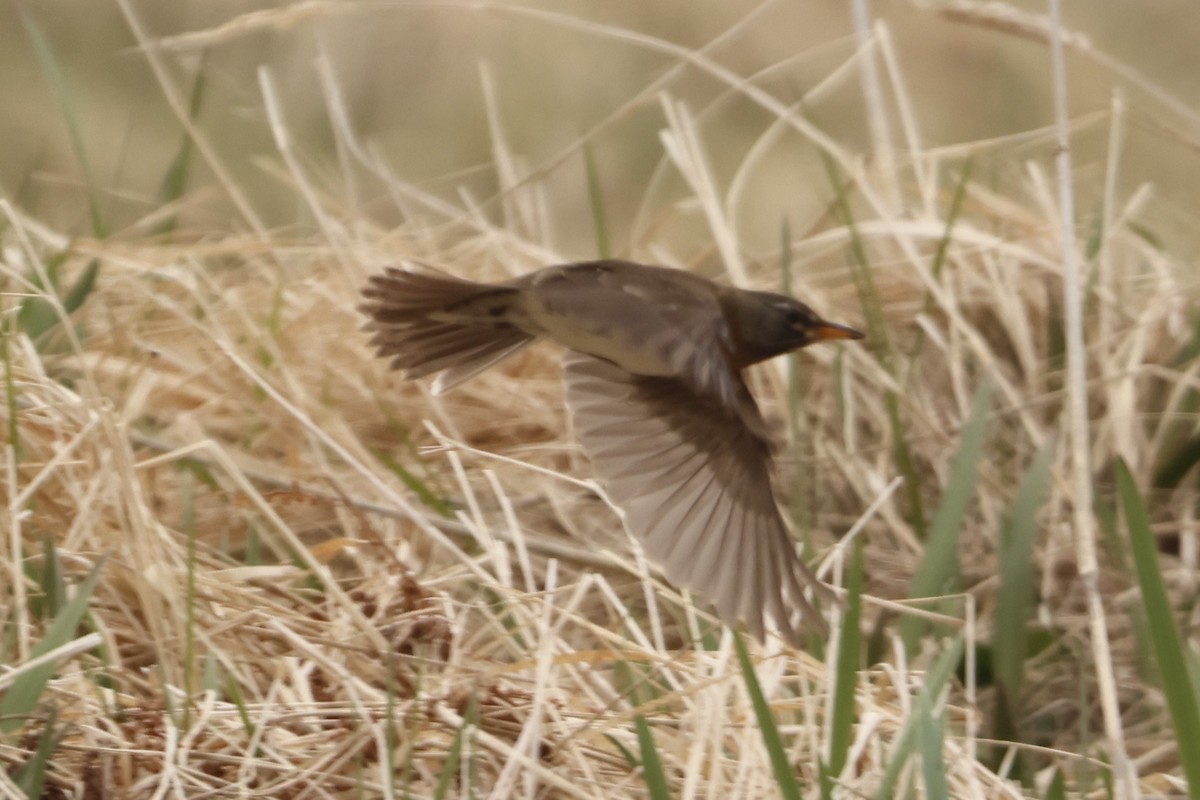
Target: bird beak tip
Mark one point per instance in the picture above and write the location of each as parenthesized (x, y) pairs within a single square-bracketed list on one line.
[(829, 331)]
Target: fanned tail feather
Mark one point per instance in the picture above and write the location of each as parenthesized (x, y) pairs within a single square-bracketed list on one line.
[(427, 324)]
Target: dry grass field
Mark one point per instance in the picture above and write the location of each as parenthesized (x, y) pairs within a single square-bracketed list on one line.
[(239, 557)]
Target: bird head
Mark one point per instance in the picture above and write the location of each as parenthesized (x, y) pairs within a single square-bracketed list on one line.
[(767, 324)]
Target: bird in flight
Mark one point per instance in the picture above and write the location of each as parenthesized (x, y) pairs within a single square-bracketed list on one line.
[(653, 373)]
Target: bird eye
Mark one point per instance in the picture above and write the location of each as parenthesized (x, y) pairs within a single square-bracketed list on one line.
[(798, 316)]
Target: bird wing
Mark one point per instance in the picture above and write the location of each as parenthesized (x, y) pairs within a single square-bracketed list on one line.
[(693, 478), (647, 320)]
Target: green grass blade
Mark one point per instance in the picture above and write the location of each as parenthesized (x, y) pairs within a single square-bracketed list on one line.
[(905, 462), (210, 675), (935, 679), (938, 572), (952, 215), (78, 294), (174, 181), (1191, 349), (1057, 790), (37, 315), (1173, 672), (234, 693), (391, 723), (930, 742), (785, 286), (637, 681), (30, 777), (1178, 464), (189, 641), (841, 734), (596, 198), (49, 64), (25, 692), (803, 495), (652, 768), (860, 269), (906, 465), (939, 256), (625, 752), (785, 774), (418, 487), (878, 338), (51, 581), (10, 390), (450, 768), (1014, 602)]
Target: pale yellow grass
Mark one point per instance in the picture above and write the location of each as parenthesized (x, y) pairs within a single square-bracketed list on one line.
[(365, 612)]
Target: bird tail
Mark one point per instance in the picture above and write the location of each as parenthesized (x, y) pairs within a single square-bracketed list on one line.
[(431, 324)]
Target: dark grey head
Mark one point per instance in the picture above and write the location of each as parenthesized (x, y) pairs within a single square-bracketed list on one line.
[(766, 325)]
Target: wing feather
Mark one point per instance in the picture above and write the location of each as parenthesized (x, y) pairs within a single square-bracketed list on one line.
[(692, 474)]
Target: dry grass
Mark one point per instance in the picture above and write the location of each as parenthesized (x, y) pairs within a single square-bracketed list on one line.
[(323, 582)]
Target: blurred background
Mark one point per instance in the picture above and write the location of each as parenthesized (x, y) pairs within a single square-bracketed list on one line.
[(412, 81)]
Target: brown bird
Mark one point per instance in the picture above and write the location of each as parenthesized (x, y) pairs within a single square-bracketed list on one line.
[(655, 387)]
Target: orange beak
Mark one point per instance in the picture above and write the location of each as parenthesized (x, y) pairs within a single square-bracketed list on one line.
[(827, 331)]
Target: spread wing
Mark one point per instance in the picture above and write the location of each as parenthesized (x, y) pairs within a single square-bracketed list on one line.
[(693, 478)]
